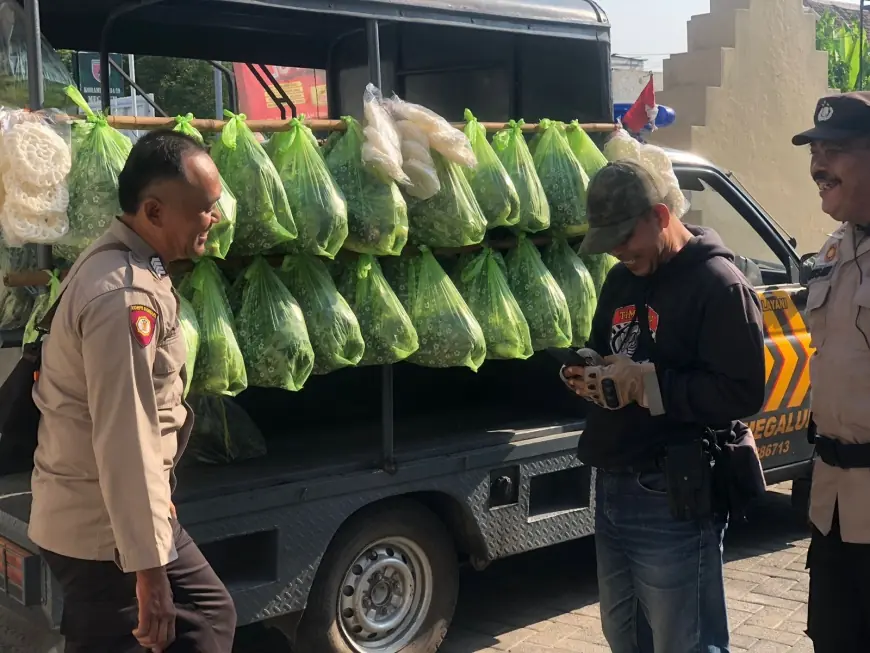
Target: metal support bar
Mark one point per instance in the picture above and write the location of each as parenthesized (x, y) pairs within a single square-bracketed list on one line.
[(138, 88), (373, 39), (232, 89), (280, 90), (270, 92)]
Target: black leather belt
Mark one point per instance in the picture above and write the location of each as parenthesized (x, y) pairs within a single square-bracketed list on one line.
[(839, 454)]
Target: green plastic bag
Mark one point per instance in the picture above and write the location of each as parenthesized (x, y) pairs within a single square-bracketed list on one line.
[(452, 216), (190, 331), (490, 181), (272, 332), (598, 265), (40, 307), (482, 282), (542, 301), (220, 238), (386, 327), (576, 284), (219, 368), (264, 221), (584, 148), (448, 333), (377, 215), (511, 148), (222, 432), (99, 153), (563, 180), (318, 205), (334, 330)]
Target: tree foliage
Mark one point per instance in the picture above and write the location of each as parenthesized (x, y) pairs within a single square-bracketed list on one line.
[(842, 40)]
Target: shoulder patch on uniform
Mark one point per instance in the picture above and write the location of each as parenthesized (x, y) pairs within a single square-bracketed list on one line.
[(157, 267), (143, 321)]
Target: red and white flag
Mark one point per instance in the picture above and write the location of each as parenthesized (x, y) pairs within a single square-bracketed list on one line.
[(644, 110)]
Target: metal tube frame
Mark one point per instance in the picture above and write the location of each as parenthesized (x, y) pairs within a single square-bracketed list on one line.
[(232, 89), (270, 91), (138, 88)]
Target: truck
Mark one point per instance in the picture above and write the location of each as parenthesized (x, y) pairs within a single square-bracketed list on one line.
[(381, 481)]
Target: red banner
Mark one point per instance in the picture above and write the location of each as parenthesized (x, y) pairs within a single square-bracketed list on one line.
[(306, 88)]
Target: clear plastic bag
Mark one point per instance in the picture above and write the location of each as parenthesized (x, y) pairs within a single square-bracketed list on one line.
[(264, 221), (318, 204), (598, 265), (273, 336), (450, 218), (443, 137), (418, 163), (222, 432), (621, 145), (511, 148), (377, 214), (385, 325), (332, 326), (382, 148), (99, 153), (563, 180), (40, 307), (540, 298), (585, 149), (482, 282), (448, 333), (190, 330), (220, 368), (489, 180), (220, 238), (577, 286)]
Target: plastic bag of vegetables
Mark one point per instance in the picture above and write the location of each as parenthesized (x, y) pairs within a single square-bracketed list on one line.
[(190, 331), (377, 214), (450, 218), (273, 336), (220, 238), (511, 148), (219, 368), (539, 296), (222, 432), (386, 328), (585, 149), (334, 330), (99, 153), (40, 307), (576, 284), (483, 284), (318, 205), (562, 178), (264, 221), (16, 304), (448, 333), (490, 181), (598, 265)]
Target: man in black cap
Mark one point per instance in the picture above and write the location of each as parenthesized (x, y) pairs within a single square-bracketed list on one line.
[(838, 316), (680, 330)]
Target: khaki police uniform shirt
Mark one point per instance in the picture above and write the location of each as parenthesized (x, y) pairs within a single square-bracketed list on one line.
[(113, 420), (838, 300)]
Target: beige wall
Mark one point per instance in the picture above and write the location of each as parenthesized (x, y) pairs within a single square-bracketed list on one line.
[(749, 82)]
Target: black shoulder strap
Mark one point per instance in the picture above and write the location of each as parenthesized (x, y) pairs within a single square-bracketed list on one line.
[(45, 323)]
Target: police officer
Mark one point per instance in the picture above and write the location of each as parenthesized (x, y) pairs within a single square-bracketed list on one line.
[(838, 309), (113, 423)]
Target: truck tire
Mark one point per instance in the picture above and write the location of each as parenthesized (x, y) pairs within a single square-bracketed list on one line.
[(388, 583)]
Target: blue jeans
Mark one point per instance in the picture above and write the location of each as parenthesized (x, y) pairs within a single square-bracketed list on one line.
[(660, 580)]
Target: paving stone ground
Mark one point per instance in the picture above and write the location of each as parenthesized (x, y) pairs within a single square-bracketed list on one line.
[(547, 601)]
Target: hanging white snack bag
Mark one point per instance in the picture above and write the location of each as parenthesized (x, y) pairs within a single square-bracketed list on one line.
[(383, 147), (621, 146), (443, 137)]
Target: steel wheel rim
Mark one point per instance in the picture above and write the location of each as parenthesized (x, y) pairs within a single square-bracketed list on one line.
[(384, 596)]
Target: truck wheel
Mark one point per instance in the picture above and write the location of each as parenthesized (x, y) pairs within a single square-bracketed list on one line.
[(388, 583)]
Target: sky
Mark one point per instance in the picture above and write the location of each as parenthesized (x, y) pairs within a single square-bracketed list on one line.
[(651, 30)]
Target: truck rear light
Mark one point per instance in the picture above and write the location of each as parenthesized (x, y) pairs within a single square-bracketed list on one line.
[(20, 574)]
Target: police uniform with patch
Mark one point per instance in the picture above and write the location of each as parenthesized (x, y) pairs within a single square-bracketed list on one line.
[(838, 317), (113, 427)]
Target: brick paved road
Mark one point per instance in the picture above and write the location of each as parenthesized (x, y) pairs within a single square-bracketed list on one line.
[(546, 601)]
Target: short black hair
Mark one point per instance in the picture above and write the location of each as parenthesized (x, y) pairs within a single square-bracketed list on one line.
[(157, 155)]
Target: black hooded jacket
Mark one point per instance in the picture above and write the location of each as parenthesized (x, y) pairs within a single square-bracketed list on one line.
[(707, 344)]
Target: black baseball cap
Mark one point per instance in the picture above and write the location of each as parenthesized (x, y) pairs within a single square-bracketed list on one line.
[(838, 118), (619, 195)]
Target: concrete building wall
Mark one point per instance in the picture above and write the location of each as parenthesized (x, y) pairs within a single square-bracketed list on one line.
[(748, 83), (627, 83)]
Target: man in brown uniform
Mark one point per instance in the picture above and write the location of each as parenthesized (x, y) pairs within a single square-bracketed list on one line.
[(114, 424), (838, 308)]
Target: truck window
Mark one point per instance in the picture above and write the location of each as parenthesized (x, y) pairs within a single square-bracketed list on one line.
[(711, 208)]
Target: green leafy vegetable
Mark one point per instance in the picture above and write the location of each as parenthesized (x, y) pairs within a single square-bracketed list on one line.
[(40, 307), (598, 265), (511, 148), (577, 285), (562, 178), (190, 331), (490, 181), (584, 148)]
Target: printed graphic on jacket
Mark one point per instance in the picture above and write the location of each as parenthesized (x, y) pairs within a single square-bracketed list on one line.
[(625, 331)]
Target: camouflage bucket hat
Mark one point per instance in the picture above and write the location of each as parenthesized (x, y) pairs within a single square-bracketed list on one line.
[(619, 195)]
